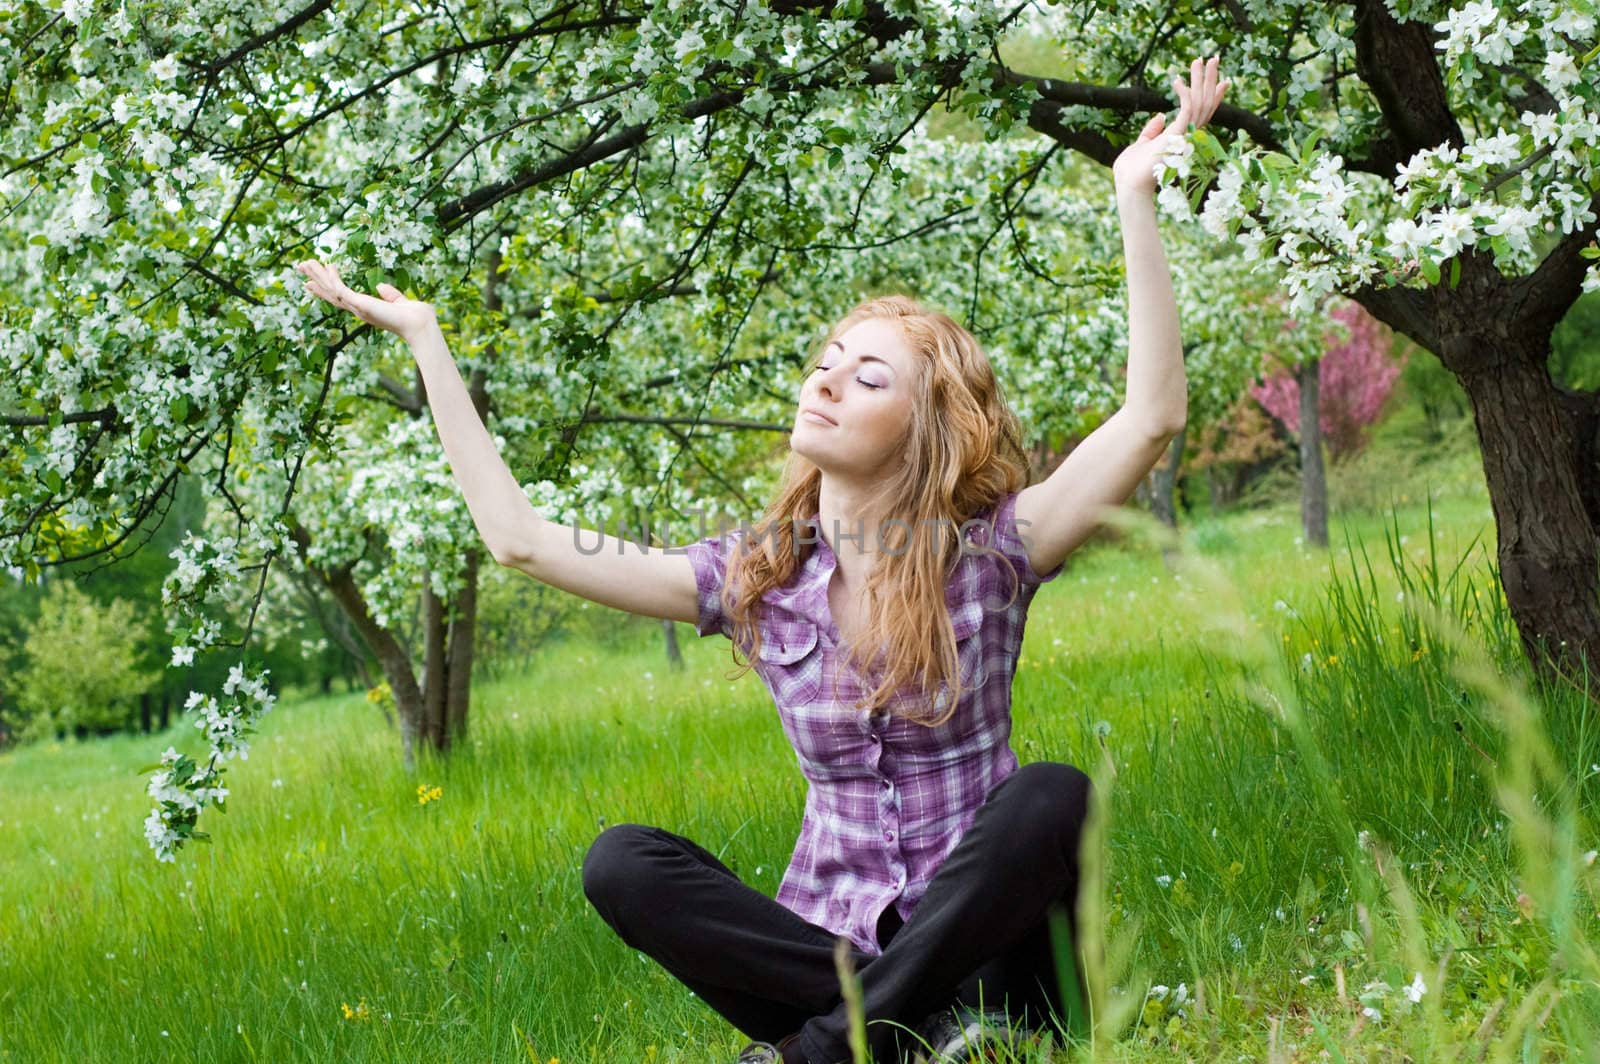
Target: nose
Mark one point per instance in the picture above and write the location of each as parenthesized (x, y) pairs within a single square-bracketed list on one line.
[(825, 385)]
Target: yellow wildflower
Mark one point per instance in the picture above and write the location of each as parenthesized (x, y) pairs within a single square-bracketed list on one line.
[(426, 794)]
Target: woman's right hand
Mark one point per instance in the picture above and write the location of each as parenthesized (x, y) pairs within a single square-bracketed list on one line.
[(394, 313)]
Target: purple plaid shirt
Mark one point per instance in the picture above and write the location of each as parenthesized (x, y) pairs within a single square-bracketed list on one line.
[(887, 799)]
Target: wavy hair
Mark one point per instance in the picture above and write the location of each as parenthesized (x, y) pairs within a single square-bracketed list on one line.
[(962, 453)]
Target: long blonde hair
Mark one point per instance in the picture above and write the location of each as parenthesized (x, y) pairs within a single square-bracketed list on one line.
[(962, 453)]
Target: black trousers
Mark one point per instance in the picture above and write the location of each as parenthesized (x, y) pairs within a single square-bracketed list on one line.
[(980, 931)]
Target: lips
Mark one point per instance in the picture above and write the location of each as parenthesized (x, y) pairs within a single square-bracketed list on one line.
[(818, 414)]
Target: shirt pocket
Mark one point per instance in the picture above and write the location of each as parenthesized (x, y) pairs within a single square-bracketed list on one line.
[(967, 624), (791, 660)]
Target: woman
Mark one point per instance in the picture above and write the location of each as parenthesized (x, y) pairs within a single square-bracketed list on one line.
[(902, 523)]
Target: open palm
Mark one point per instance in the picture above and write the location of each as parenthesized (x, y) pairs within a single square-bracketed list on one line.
[(394, 312), (1133, 169)]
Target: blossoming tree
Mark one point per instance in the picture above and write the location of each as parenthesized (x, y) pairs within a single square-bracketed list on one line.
[(667, 189), (1437, 165)]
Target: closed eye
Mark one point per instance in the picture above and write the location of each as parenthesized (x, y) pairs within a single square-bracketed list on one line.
[(869, 384)]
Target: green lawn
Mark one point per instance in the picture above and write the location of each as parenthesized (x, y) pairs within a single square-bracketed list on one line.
[(1245, 732)]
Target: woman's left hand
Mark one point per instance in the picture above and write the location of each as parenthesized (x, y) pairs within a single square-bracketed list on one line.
[(1133, 170)]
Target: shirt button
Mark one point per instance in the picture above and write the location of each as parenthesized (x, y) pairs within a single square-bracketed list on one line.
[(888, 786), (888, 836), (875, 739)]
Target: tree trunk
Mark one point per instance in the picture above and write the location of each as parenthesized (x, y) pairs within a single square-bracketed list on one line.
[(1162, 480), (1313, 478), (463, 639), (433, 668), (166, 710), (391, 655), (669, 632), (144, 712), (1542, 489)]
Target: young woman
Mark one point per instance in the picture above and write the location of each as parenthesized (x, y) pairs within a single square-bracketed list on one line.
[(903, 523)]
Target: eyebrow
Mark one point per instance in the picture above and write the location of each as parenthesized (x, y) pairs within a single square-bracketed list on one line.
[(864, 358)]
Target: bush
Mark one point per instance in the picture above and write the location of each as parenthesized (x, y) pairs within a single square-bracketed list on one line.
[(80, 671)]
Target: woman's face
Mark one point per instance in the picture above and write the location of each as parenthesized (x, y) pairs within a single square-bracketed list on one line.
[(862, 384)]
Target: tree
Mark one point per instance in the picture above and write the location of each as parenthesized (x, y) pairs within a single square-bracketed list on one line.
[(679, 197), (1355, 378), (1348, 384), (80, 671), (1364, 179)]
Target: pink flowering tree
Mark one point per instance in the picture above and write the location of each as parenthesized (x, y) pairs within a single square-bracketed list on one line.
[(1355, 377)]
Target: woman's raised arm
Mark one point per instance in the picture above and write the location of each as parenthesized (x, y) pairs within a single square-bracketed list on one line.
[(653, 583)]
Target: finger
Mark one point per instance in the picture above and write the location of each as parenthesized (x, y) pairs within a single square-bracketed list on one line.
[(1183, 102), (390, 292), (1216, 101), (1152, 127)]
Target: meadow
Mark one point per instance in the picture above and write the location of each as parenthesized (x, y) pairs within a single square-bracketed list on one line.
[(1342, 831)]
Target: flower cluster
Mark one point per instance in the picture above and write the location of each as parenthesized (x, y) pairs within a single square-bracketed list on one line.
[(181, 787), (1329, 230), (426, 794)]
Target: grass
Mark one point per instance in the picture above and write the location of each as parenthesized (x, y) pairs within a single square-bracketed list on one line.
[(1313, 793)]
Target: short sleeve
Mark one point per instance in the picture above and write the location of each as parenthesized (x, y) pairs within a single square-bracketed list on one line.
[(709, 559), (1008, 540)]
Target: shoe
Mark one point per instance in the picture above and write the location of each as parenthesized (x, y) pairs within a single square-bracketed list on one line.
[(965, 1035), (759, 1053)]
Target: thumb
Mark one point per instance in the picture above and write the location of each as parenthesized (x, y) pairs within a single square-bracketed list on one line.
[(1153, 126), (389, 292)]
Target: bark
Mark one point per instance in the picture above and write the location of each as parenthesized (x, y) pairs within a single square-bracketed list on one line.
[(1542, 485), (391, 655), (1313, 476), (1161, 482), (463, 638), (433, 668), (332, 622), (669, 632)]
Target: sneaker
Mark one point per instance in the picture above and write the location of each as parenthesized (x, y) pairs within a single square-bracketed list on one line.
[(965, 1035), (759, 1053)]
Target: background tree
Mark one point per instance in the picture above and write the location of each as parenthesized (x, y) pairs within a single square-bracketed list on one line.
[(80, 671), (1353, 379), (180, 160)]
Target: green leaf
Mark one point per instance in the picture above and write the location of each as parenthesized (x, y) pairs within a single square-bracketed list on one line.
[(52, 480), (91, 141), (1309, 145), (147, 436), (1430, 269), (374, 277), (1455, 271), (179, 409), (269, 362)]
